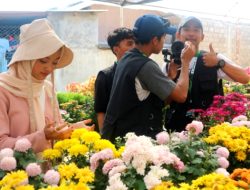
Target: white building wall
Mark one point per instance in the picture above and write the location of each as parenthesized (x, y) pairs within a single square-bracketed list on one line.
[(80, 31)]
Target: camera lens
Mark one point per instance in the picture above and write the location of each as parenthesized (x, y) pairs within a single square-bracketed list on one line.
[(176, 49)]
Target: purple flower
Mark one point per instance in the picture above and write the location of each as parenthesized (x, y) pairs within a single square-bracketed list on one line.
[(22, 145), (51, 177), (8, 163), (33, 169)]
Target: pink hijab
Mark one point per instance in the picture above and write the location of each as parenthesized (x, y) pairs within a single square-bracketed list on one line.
[(19, 81)]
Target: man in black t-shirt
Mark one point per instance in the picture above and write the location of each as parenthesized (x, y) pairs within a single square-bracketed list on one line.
[(120, 40)]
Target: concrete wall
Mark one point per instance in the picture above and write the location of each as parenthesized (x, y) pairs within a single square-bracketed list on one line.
[(80, 31), (231, 39)]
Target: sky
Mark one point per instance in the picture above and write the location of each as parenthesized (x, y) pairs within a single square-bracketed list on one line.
[(234, 10), (33, 5)]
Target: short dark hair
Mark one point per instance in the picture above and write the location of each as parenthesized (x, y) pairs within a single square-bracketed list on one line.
[(119, 34), (146, 41)]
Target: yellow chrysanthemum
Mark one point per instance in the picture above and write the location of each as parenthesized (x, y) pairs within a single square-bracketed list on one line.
[(14, 179), (78, 149), (119, 152), (79, 186), (163, 186), (55, 188), (102, 144), (235, 139), (241, 156), (85, 175), (90, 137), (214, 181), (66, 144), (26, 187), (51, 154), (67, 171), (211, 139), (78, 133)]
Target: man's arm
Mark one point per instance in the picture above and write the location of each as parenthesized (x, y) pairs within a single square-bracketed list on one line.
[(235, 72), (101, 98), (100, 119), (179, 94)]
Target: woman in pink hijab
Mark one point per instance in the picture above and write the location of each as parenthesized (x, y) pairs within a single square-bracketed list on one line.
[(28, 104)]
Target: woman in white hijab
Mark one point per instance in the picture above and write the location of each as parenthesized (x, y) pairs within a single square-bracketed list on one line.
[(28, 105)]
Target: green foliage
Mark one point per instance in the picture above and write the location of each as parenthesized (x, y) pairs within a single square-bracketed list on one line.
[(101, 180), (24, 158), (230, 87), (77, 106), (199, 159), (133, 180)]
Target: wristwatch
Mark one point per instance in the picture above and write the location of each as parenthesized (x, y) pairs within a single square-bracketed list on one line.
[(221, 63)]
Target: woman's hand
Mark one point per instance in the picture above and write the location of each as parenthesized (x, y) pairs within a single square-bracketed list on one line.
[(57, 133), (83, 124)]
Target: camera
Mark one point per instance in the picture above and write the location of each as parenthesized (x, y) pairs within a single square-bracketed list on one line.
[(175, 52)]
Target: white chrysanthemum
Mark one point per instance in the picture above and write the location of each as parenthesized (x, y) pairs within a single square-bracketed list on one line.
[(154, 176), (115, 183), (161, 155), (6, 152)]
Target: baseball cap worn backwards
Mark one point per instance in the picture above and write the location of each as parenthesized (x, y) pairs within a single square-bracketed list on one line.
[(148, 26), (192, 19)]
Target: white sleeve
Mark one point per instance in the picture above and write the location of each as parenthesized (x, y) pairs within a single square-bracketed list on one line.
[(221, 74), (164, 68)]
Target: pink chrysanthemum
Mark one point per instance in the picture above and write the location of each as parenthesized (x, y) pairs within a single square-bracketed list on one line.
[(222, 152), (102, 155), (111, 164), (223, 162), (222, 171), (33, 169), (162, 137), (196, 127), (239, 118), (6, 152), (22, 145), (51, 177), (8, 163)]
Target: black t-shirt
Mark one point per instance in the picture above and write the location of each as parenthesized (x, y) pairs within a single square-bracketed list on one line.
[(103, 85)]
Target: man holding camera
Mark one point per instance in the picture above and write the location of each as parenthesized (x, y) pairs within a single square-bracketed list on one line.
[(205, 73), (140, 88)]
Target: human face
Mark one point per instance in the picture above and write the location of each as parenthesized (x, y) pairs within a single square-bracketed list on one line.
[(122, 47), (44, 66), (158, 44), (191, 32)]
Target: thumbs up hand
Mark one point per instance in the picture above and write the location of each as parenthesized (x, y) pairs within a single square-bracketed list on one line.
[(210, 58)]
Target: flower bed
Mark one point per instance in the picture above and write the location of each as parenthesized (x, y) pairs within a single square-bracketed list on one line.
[(185, 160), (213, 156)]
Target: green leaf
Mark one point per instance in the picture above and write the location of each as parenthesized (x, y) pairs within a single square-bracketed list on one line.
[(196, 161), (139, 185), (2, 174)]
